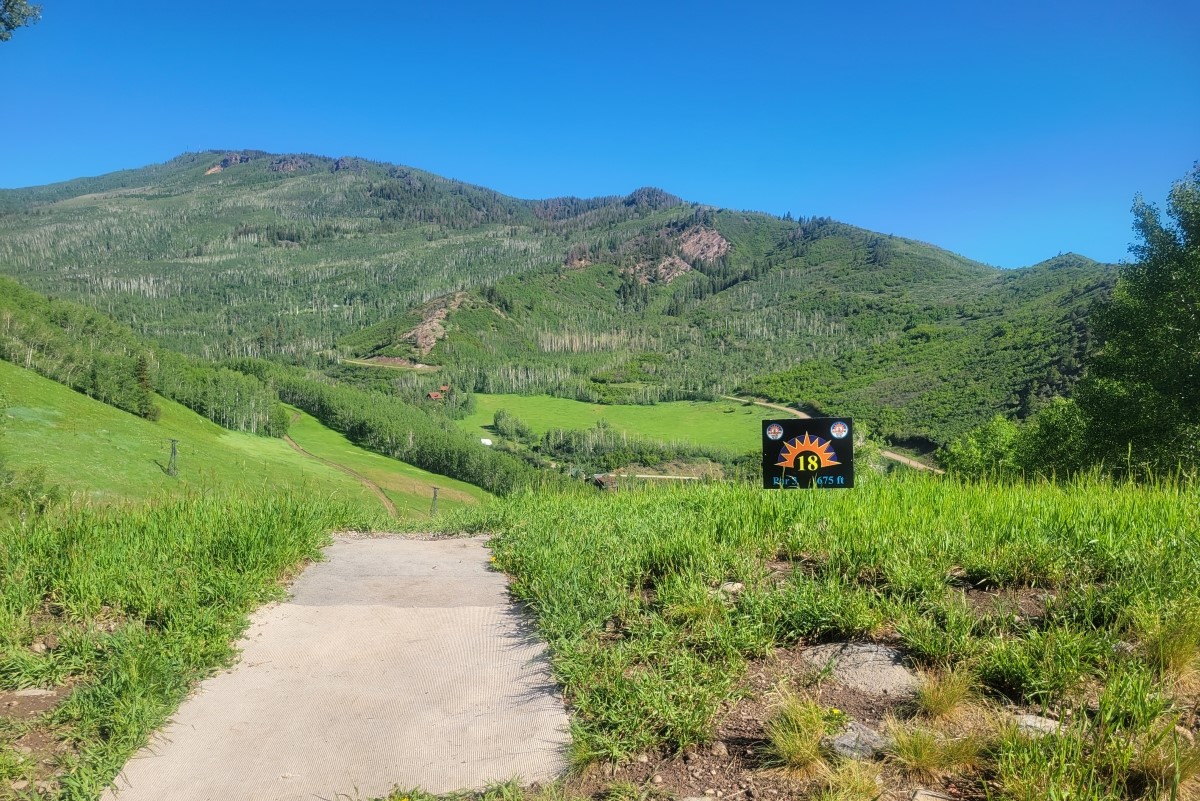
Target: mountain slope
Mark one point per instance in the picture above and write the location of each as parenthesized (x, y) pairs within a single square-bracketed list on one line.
[(637, 298)]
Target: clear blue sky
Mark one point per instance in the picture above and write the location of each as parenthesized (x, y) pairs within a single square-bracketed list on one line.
[(1007, 132)]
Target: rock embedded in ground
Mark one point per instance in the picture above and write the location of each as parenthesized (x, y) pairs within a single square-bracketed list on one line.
[(1035, 725), (33, 692), (928, 795), (856, 741), (720, 749), (865, 667)]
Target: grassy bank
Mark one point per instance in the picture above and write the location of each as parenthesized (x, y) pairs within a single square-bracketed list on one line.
[(626, 590), (118, 611)]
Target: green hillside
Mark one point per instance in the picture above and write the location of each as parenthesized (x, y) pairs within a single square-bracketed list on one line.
[(100, 453), (640, 298)]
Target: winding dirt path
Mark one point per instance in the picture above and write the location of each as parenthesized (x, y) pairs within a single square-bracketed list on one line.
[(886, 454), (366, 482)]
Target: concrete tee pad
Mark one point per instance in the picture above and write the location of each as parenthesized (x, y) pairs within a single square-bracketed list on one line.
[(395, 662)]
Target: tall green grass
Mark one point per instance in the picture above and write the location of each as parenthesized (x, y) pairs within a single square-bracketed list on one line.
[(627, 590), (143, 601)]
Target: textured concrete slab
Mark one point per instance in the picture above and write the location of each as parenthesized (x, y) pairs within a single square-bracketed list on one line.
[(865, 667), (395, 663)]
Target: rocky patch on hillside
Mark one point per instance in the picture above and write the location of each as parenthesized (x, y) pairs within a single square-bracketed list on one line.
[(703, 244)]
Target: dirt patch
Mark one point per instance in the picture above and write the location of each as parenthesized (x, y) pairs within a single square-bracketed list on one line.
[(703, 244), (1021, 603), (394, 362), (29, 703), (40, 754), (430, 330), (664, 272)]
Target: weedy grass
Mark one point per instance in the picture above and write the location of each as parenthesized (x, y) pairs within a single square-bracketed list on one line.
[(138, 603), (794, 735), (852, 780), (926, 755), (626, 589), (945, 695)]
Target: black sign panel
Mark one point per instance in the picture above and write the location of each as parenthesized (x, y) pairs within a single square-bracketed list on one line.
[(813, 452)]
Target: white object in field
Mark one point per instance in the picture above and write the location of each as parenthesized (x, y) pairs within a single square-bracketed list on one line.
[(486, 441)]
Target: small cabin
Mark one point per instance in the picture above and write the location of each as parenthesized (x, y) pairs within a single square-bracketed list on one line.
[(435, 396), (444, 388)]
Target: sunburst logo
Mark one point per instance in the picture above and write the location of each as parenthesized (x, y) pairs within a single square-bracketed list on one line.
[(807, 453)]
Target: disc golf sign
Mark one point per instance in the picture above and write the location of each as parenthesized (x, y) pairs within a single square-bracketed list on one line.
[(811, 452)]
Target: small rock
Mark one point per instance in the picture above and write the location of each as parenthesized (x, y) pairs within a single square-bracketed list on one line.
[(733, 587), (928, 795), (33, 692), (710, 791), (19, 785), (1035, 725), (657, 779), (643, 758), (695, 798), (38, 648), (22, 749), (1123, 648), (720, 749), (856, 741)]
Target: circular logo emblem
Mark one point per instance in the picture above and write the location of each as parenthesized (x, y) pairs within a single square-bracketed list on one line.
[(774, 431), (839, 430)]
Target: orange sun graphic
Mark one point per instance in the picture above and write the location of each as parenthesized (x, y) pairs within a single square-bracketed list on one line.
[(807, 444)]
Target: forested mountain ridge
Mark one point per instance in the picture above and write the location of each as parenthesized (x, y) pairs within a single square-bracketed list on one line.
[(624, 298)]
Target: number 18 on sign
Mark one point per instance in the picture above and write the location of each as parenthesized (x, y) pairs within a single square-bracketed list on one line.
[(804, 453)]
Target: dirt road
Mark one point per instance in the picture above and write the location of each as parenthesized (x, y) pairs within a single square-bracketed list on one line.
[(366, 482)]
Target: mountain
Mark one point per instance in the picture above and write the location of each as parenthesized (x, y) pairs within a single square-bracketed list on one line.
[(625, 298)]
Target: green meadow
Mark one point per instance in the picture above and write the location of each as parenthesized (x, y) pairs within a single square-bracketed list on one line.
[(720, 424), (100, 453), (410, 488)]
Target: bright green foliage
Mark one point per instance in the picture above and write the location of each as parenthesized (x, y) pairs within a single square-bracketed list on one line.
[(1142, 394), (988, 451), (626, 587)]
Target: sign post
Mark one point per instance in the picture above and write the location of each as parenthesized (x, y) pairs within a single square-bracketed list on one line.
[(802, 453)]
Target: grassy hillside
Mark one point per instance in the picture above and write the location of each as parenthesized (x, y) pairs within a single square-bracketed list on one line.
[(102, 453), (410, 488), (665, 606), (722, 424)]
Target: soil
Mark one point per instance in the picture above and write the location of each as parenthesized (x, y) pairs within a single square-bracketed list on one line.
[(430, 330), (704, 244), (736, 764), (41, 752)]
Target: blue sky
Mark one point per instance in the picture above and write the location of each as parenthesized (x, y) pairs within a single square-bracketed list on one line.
[(1005, 132)]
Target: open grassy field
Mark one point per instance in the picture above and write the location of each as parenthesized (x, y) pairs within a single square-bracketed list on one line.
[(719, 424), (101, 453), (1076, 601), (410, 488)]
